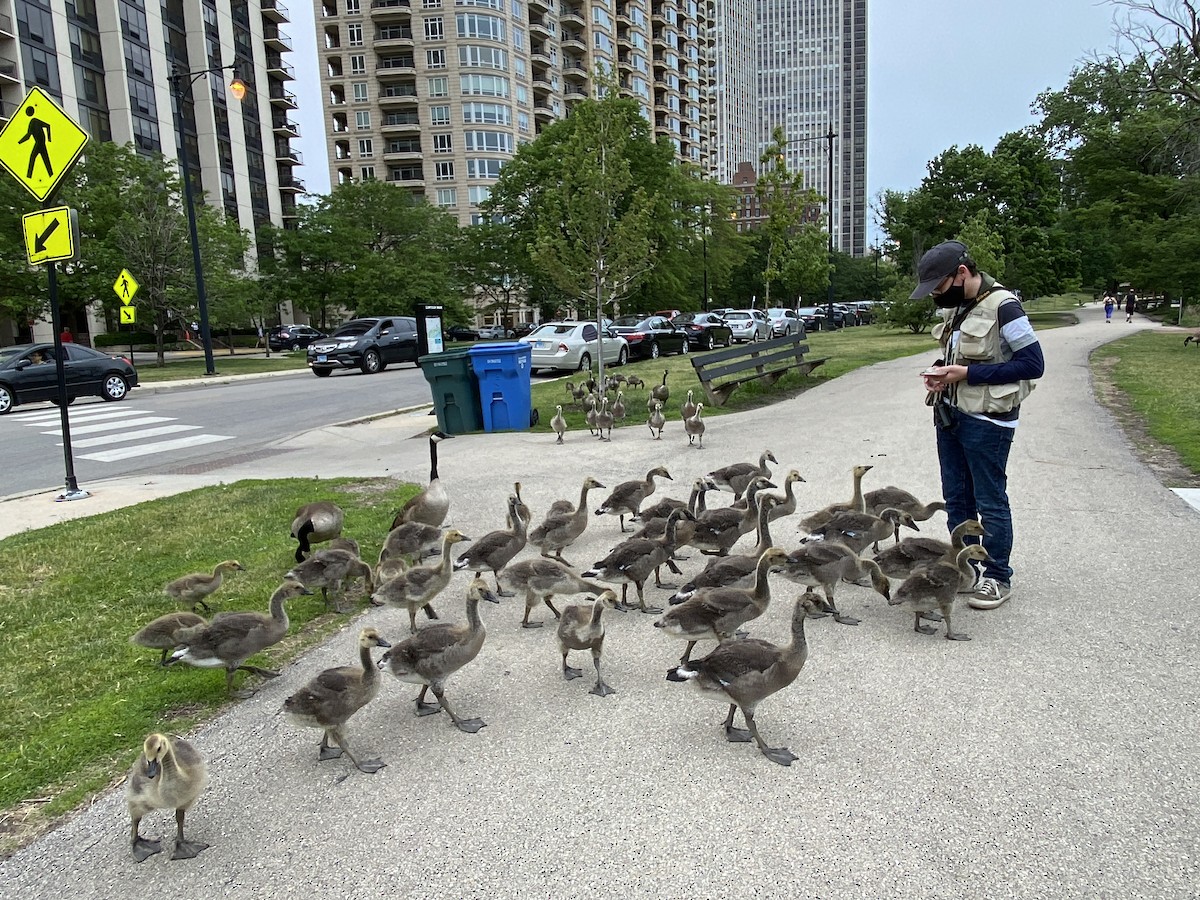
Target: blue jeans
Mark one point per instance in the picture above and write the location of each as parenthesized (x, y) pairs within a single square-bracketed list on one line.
[(974, 458)]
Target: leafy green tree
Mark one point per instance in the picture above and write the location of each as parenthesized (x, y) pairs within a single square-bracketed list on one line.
[(793, 251), (23, 288)]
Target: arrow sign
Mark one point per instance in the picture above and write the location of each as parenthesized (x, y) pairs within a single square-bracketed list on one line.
[(39, 243)]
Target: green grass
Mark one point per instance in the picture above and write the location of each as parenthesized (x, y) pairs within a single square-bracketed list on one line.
[(225, 365), (76, 698), (1161, 379)]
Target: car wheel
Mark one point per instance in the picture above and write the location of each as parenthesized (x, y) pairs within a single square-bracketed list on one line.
[(708, 342), (684, 349), (295, 346), (654, 351), (787, 332), (585, 363), (322, 373), (622, 357), (372, 362), (115, 387), (7, 400)]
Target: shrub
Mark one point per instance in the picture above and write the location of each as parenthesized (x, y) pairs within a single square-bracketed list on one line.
[(915, 315)]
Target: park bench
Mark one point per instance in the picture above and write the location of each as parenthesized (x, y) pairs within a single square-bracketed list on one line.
[(722, 371)]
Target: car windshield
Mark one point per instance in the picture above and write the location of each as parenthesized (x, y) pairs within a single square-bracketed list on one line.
[(809, 311), (737, 315), (688, 318), (777, 313), (628, 321), (8, 354), (353, 329), (549, 330)]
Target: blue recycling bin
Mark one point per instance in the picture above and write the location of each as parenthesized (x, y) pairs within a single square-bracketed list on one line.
[(454, 389), (502, 370)]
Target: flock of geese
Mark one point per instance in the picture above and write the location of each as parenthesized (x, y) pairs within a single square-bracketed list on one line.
[(416, 565), (603, 411)]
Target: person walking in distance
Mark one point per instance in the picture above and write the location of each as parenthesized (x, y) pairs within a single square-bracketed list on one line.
[(1130, 305), (1110, 303), (991, 356)]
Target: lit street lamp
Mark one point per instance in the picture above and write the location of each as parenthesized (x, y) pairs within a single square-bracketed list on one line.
[(238, 89)]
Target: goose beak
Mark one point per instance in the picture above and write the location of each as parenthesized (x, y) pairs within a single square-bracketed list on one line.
[(490, 597), (152, 768), (304, 590), (380, 642)]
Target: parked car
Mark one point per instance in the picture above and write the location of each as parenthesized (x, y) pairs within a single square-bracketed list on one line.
[(461, 333), (704, 330), (292, 337), (785, 321), (813, 318), (748, 324), (867, 311), (495, 332), (28, 374), (573, 346), (845, 315), (369, 344), (667, 313), (650, 337), (523, 328)]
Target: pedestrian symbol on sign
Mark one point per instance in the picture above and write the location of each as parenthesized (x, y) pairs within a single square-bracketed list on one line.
[(39, 132)]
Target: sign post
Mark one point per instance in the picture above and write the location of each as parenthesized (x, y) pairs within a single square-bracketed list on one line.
[(38, 147)]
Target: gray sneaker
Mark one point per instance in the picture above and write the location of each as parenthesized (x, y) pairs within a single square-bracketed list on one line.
[(989, 593)]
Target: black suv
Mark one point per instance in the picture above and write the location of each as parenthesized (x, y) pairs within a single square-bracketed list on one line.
[(369, 344), (292, 337)]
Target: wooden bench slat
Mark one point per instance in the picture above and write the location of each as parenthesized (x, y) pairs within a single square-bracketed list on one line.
[(767, 361), (740, 349), (718, 370)]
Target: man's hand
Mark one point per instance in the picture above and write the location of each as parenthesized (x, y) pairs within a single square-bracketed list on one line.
[(938, 377)]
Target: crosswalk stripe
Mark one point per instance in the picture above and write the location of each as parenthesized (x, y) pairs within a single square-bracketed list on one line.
[(132, 435), (105, 412), (119, 453), (112, 426)]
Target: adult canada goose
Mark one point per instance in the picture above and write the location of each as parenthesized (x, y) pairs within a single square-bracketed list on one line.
[(541, 579), (559, 424), (934, 587), (737, 476), (733, 571), (496, 549), (856, 503), (329, 568), (749, 671), (786, 505), (161, 634), (563, 526), (412, 540), (430, 505), (661, 392), (824, 564), (656, 421), (688, 409), (626, 498), (633, 560), (232, 638), (618, 409), (522, 508), (332, 697), (416, 587), (634, 382), (717, 530), (856, 530), (198, 585), (431, 656), (716, 613), (169, 773), (604, 421), (694, 426), (892, 497), (902, 559), (316, 523), (582, 628)]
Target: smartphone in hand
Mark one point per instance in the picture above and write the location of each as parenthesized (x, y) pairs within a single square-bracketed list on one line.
[(931, 371)]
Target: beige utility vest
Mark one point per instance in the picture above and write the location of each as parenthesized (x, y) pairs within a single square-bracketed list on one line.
[(979, 342)]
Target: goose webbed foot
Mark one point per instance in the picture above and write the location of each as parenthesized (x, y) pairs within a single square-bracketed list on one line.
[(329, 753), (602, 690), (427, 709), (781, 755), (570, 674), (188, 849), (143, 849), (505, 594), (843, 619), (957, 636), (528, 624), (470, 726), (931, 615), (243, 694), (737, 735), (371, 766), (924, 629), (265, 673), (650, 610)]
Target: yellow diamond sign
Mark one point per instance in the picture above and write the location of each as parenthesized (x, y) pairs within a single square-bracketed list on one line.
[(40, 143), (50, 234), (126, 287)]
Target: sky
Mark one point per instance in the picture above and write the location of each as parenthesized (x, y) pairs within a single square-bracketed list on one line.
[(940, 73)]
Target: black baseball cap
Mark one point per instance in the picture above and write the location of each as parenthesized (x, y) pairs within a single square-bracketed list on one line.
[(936, 264)]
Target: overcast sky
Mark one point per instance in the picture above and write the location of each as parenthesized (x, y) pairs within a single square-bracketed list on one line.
[(940, 73)]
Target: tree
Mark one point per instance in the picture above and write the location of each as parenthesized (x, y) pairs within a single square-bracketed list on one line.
[(788, 212), (1159, 39), (23, 288)]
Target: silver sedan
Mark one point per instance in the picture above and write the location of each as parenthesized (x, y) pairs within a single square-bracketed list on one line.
[(573, 346)]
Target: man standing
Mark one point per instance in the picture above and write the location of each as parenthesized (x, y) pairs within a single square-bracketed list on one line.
[(1130, 305), (990, 358)]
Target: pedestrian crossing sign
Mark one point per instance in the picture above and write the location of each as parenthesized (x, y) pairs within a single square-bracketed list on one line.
[(40, 144), (126, 287)]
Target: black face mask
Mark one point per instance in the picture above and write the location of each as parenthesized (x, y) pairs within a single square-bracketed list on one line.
[(953, 296)]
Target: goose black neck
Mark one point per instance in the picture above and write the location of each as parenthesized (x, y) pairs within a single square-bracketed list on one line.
[(433, 472)]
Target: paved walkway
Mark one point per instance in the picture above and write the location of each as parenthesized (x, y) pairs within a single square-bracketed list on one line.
[(1054, 755)]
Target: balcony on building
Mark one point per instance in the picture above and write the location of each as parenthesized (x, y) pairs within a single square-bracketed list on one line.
[(402, 152), (540, 27), (409, 176), (390, 67), (393, 37), (276, 40), (400, 122), (539, 6), (7, 28), (539, 56), (282, 99), (575, 66), (286, 156), (575, 88), (390, 10), (284, 127), (8, 72), (277, 68), (290, 184), (542, 111), (572, 14), (395, 94), (274, 11), (576, 40)]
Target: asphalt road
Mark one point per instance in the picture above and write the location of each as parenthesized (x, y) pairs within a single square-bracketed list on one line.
[(188, 427)]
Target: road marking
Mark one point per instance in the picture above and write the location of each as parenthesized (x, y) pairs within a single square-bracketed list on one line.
[(132, 436), (77, 415), (111, 426), (120, 453)]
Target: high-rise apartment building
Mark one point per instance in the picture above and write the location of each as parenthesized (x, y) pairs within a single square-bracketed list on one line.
[(435, 96), (108, 63), (812, 77), (734, 88)]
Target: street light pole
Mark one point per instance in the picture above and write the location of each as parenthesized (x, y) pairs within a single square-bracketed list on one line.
[(238, 90), (829, 136)]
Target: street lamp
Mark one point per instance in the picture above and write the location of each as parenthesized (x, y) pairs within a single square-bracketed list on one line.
[(238, 88), (829, 136)]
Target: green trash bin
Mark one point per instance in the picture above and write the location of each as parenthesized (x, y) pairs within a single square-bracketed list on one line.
[(455, 390)]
